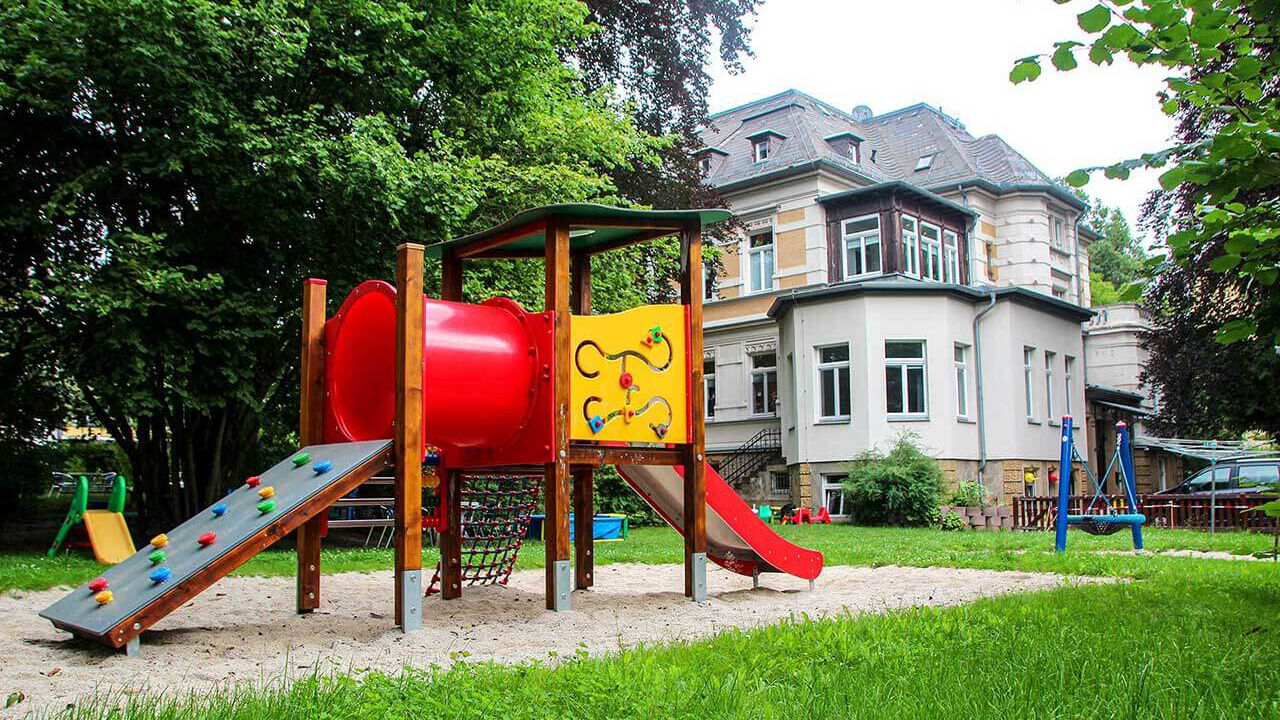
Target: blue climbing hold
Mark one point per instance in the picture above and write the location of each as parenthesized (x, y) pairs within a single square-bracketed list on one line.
[(160, 574), (322, 467), (220, 509), (596, 423)]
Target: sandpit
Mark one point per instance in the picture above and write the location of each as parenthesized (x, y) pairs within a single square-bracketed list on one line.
[(243, 630)]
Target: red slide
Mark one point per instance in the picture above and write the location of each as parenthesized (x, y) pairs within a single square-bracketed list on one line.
[(737, 539)]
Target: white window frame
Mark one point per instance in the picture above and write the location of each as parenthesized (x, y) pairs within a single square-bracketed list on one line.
[(704, 164), (834, 482), (1028, 383), (911, 246), (708, 386), (859, 239), (773, 483), (1067, 368), (932, 251), (960, 359), (1049, 359), (766, 279), (1058, 232), (821, 367), (760, 145), (751, 384), (855, 153), (904, 365), (950, 256)]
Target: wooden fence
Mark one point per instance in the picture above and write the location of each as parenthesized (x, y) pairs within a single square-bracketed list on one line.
[(1166, 511)]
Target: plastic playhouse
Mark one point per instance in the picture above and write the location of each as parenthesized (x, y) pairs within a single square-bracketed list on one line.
[(444, 391)]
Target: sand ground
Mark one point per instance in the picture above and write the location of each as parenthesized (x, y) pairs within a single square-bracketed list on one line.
[(243, 630)]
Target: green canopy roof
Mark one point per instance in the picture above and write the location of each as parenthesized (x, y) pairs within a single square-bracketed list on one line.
[(592, 227)]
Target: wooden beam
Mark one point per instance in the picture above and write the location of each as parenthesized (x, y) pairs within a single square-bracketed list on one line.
[(451, 277), (584, 549), (597, 455), (311, 432), (408, 434), (556, 499), (695, 476), (473, 249), (633, 240), (671, 226), (580, 290), (451, 270)]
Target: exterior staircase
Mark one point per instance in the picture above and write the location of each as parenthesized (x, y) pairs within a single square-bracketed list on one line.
[(751, 457)]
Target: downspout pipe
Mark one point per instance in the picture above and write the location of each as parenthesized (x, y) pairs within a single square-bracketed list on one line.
[(977, 364)]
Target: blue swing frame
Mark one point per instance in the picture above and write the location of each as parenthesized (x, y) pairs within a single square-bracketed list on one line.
[(1124, 456)]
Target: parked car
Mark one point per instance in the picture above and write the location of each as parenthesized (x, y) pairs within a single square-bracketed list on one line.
[(1242, 476)]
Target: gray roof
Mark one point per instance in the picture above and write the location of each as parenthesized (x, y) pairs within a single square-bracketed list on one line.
[(898, 138)]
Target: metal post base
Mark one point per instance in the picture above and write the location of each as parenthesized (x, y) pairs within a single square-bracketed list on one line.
[(411, 597), (133, 648), (560, 598), (755, 579), (810, 586), (699, 576)]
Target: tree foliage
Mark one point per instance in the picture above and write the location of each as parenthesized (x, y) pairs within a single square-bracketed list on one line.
[(900, 487), (1222, 171)]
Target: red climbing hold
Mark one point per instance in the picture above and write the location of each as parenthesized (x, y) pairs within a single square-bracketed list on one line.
[(97, 585), (253, 481), (625, 380), (206, 539)]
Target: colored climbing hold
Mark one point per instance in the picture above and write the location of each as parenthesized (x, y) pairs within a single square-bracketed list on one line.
[(322, 467), (266, 491), (266, 506), (97, 584), (220, 509), (596, 423), (160, 540), (156, 557), (432, 456), (301, 459), (430, 479), (655, 335), (160, 574), (207, 539), (104, 597), (660, 430), (628, 415), (253, 481), (625, 380)]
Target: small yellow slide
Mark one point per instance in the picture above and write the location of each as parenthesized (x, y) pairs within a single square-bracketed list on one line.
[(109, 535)]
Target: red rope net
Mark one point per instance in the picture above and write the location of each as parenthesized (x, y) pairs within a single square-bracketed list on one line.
[(495, 518)]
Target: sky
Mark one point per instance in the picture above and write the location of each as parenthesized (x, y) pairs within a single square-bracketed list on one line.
[(956, 56)]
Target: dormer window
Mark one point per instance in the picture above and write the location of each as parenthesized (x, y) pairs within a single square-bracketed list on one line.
[(764, 143), (704, 164), (926, 161), (708, 158), (846, 144)]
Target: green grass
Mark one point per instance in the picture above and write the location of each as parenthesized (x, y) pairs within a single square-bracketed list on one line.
[(1178, 638)]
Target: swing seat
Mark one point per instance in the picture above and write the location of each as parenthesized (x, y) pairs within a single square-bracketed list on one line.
[(1106, 524)]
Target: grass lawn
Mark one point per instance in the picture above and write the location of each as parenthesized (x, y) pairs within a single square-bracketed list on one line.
[(1180, 638)]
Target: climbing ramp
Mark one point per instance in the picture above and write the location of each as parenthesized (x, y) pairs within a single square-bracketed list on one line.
[(130, 597), (495, 515)]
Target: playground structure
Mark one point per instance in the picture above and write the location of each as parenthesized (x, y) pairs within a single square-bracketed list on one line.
[(1107, 519), (441, 390), (107, 530)]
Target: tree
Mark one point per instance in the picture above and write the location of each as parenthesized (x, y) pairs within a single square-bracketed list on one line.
[(172, 171), (1221, 175), (1116, 256)]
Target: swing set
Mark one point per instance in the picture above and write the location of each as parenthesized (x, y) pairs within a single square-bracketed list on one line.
[(1100, 516)]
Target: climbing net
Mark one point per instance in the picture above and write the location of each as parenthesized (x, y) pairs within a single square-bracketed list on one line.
[(495, 517)]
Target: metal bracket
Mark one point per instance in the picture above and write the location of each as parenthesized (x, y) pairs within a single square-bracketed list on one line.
[(699, 561), (411, 594), (755, 578), (561, 598), (133, 648)]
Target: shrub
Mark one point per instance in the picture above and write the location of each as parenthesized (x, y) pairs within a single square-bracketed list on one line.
[(614, 495), (952, 521), (901, 487), (970, 494)]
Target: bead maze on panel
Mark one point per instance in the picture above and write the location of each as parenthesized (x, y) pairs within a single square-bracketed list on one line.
[(628, 378)]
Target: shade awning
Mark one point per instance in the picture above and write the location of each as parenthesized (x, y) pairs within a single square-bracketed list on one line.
[(592, 228), (1122, 407)]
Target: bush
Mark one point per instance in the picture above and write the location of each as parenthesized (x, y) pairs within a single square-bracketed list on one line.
[(970, 494), (614, 495), (952, 521), (901, 487)]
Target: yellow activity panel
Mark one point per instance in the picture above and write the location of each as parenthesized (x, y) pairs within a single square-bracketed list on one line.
[(629, 380)]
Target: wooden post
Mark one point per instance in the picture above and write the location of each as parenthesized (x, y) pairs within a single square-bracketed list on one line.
[(311, 432), (408, 436), (556, 499), (584, 550), (451, 535), (695, 477)]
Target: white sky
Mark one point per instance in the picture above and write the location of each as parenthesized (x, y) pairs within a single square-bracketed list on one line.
[(956, 56)]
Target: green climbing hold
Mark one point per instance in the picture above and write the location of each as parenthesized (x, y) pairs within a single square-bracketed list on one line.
[(301, 459), (156, 557), (266, 506)]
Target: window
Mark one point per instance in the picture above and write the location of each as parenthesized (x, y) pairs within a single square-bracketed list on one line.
[(1068, 366), (931, 249), (760, 258), (904, 379), (760, 150), (764, 384), (704, 164), (1057, 237), (925, 162), (1028, 359), (861, 254), (854, 153), (833, 382), (910, 246), (708, 282), (950, 257), (873, 156), (833, 494), (991, 260), (1252, 475), (962, 380), (779, 482), (1048, 383), (1218, 477), (709, 385)]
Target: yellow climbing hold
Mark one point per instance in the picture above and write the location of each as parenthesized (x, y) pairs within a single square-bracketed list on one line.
[(266, 491), (104, 597), (160, 540)]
